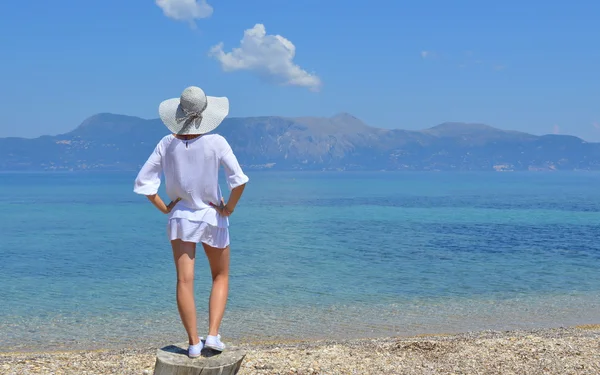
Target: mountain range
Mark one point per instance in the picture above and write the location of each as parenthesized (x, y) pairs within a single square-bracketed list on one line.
[(342, 142)]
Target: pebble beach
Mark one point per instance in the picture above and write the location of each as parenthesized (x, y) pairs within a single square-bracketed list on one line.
[(561, 351)]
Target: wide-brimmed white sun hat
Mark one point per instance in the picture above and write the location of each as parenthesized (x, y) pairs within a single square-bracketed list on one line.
[(193, 112)]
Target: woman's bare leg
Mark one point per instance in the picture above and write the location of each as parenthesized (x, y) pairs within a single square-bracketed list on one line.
[(184, 254), (219, 268)]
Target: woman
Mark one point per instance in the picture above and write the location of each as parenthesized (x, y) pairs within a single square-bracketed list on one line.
[(190, 159)]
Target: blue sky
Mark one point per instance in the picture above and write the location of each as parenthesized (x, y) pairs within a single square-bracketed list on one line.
[(524, 65)]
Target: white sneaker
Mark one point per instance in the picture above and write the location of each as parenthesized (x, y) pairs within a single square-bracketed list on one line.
[(194, 350), (214, 343)]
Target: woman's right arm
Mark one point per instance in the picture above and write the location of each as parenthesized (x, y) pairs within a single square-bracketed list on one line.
[(234, 197), (236, 179)]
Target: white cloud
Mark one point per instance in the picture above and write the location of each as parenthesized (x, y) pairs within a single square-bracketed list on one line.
[(426, 54), (269, 56), (185, 10), (556, 129)]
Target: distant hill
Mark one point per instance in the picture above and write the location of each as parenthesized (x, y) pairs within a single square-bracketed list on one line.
[(342, 142)]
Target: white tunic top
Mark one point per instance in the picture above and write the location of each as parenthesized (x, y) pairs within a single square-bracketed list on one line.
[(191, 170)]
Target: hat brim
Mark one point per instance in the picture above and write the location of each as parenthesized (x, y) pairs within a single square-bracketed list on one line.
[(172, 115)]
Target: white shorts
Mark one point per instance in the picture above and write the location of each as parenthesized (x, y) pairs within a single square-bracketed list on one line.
[(197, 231)]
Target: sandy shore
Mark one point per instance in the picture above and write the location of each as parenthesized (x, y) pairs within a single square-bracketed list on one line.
[(548, 351)]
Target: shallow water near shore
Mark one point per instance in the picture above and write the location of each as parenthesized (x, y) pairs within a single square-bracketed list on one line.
[(85, 262)]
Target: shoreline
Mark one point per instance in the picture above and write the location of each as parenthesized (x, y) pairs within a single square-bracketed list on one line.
[(337, 322), (573, 350)]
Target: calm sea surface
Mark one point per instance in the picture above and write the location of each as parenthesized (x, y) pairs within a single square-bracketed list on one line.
[(84, 262)]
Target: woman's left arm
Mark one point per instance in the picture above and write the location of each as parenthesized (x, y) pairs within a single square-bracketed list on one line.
[(158, 203), (147, 181)]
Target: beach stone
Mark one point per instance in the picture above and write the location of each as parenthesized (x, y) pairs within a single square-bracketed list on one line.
[(174, 360)]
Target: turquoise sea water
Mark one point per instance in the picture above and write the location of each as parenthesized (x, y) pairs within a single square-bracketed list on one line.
[(84, 262)]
